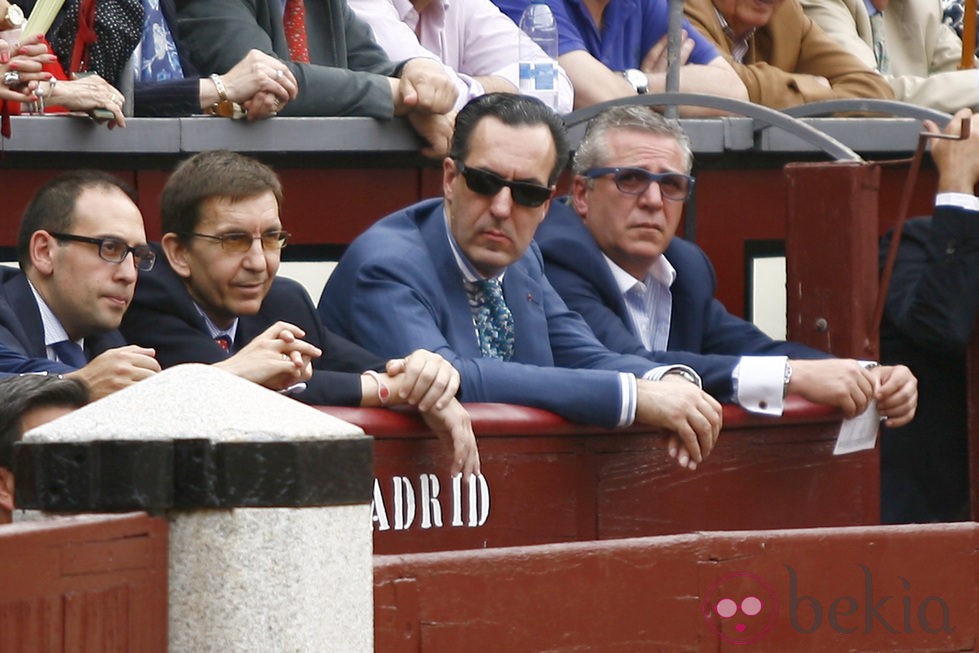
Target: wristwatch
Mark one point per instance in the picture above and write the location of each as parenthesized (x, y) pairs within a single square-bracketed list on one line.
[(637, 79), (14, 18)]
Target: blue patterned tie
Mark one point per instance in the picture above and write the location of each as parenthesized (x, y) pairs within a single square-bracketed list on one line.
[(70, 353), (494, 322), (160, 61)]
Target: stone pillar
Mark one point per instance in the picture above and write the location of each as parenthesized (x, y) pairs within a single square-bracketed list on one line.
[(268, 500)]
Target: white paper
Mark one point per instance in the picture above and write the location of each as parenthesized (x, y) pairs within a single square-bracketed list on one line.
[(858, 433)]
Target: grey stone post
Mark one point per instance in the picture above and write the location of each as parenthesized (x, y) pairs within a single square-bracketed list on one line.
[(268, 501)]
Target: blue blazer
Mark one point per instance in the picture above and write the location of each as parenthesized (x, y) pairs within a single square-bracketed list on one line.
[(22, 331), (163, 316), (398, 288), (699, 323)]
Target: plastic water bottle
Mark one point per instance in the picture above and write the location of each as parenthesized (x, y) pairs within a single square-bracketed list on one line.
[(538, 74)]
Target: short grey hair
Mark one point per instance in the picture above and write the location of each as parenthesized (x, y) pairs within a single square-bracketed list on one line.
[(593, 150)]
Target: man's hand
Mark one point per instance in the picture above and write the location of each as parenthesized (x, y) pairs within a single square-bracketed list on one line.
[(840, 382), (276, 358), (424, 86), (693, 416), (453, 427), (262, 83), (426, 380), (116, 369), (957, 161), (657, 61), (897, 393), (436, 129)]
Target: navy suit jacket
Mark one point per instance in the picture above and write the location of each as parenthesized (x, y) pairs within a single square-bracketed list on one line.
[(163, 316), (398, 288), (699, 323), (929, 318), (21, 328)]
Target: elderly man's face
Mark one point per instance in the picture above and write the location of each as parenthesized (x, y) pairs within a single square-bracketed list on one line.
[(492, 230), (742, 15), (632, 230)]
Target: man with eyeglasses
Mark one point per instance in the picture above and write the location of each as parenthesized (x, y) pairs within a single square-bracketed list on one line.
[(80, 248), (215, 297), (615, 260), (460, 276)]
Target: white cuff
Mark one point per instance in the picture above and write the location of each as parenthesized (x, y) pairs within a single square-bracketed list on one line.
[(761, 382), (630, 399)]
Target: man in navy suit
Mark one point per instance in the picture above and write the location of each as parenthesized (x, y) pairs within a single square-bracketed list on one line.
[(214, 297), (615, 260), (80, 248), (929, 319), (416, 277)]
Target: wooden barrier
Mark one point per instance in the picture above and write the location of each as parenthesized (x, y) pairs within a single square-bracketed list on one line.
[(547, 480), (91, 583), (907, 588)]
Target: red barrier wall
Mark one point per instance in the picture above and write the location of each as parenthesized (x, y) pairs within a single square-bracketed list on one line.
[(91, 583), (851, 589)]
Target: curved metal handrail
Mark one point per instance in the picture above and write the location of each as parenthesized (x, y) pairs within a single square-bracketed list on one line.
[(868, 105), (769, 117)]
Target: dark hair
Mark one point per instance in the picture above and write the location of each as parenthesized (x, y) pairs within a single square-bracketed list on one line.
[(512, 110), (19, 394), (218, 173), (53, 207)]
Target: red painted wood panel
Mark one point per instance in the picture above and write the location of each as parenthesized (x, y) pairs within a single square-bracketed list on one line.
[(548, 480), (821, 590), (93, 583)]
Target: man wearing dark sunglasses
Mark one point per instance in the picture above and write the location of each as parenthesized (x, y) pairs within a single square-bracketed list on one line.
[(615, 260), (81, 248), (461, 277), (215, 297)]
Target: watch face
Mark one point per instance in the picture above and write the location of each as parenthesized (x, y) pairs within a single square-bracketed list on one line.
[(15, 16)]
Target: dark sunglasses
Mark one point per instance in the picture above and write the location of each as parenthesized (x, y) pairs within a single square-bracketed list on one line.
[(489, 183), (114, 250), (634, 181)]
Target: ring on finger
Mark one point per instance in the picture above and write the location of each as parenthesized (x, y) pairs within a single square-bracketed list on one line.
[(11, 78), (279, 74)]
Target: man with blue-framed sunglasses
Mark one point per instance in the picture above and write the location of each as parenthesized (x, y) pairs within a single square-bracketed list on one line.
[(613, 256)]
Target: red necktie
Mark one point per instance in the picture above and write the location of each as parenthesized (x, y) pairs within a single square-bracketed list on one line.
[(294, 21), (224, 342)]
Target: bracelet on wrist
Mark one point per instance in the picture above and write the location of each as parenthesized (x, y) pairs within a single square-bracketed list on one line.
[(383, 391)]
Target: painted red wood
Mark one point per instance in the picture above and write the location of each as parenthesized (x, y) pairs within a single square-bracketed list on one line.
[(549, 480), (821, 590), (91, 583)]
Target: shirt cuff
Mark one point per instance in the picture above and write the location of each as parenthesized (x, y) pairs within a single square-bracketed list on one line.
[(468, 87), (761, 383), (960, 200), (630, 399)]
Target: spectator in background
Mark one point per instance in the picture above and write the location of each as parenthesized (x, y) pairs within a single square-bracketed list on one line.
[(472, 37), (25, 403), (341, 70), (215, 298), (953, 15), (929, 319), (783, 58), (80, 248), (907, 42), (615, 260), (166, 82), (617, 48), (462, 277)]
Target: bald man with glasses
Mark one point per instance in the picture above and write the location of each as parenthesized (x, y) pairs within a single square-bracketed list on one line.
[(614, 258), (215, 297), (80, 250)]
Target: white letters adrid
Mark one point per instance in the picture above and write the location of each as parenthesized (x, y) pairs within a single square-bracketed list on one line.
[(402, 503)]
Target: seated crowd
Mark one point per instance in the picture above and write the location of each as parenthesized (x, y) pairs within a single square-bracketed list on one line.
[(606, 318)]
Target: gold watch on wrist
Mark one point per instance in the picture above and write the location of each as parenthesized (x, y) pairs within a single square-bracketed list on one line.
[(13, 19)]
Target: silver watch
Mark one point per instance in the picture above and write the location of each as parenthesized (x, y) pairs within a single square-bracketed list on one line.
[(637, 79)]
